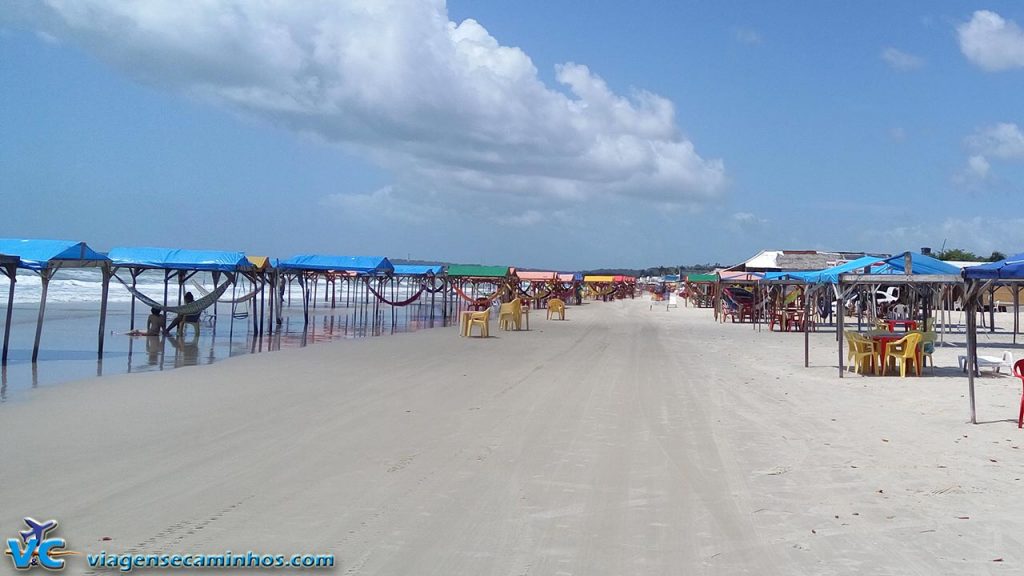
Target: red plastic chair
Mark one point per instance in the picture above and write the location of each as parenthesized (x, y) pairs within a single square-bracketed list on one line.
[(1018, 371)]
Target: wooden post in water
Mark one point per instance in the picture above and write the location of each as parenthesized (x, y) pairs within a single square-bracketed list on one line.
[(44, 275), (12, 275), (103, 308)]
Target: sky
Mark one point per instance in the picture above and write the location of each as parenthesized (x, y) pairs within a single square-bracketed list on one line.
[(569, 135)]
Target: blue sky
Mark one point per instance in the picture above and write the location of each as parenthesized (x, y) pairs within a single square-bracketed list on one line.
[(566, 135)]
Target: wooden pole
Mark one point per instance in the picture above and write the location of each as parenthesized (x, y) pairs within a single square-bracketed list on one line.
[(44, 275), (131, 322), (972, 339), (12, 274), (103, 308), (807, 321), (839, 327), (992, 309), (1016, 311)]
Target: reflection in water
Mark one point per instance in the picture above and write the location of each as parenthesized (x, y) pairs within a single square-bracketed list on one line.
[(186, 350), (68, 351), (154, 351)]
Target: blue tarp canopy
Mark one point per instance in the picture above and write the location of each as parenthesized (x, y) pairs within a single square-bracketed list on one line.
[(418, 269), (828, 275), (1011, 268), (178, 259), (670, 278), (42, 254), (316, 262), (919, 264)]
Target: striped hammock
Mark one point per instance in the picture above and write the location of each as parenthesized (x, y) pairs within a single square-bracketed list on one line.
[(194, 307)]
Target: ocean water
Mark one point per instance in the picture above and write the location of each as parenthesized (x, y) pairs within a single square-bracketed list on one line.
[(69, 340)]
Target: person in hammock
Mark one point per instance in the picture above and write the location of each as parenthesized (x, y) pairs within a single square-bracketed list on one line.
[(154, 324), (189, 298)]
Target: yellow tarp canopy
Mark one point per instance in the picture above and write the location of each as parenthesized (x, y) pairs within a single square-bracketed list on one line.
[(260, 262), (599, 278)]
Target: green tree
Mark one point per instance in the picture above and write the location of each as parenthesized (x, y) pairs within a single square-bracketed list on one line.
[(996, 256), (958, 255)]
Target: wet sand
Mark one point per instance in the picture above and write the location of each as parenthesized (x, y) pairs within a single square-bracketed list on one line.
[(624, 440)]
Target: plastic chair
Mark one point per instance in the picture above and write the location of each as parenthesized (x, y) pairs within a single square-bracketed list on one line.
[(481, 319), (928, 348), (509, 315), (851, 347), (1018, 371), (556, 306), (183, 327), (904, 350), (861, 351)]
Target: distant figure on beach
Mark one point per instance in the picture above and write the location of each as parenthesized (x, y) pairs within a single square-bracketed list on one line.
[(189, 298), (154, 324)]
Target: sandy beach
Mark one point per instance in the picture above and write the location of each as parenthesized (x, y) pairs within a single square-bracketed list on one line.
[(625, 440)]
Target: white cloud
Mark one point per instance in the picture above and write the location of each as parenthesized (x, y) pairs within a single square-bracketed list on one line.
[(383, 203), (741, 222), (981, 235), (522, 219), (991, 42), (902, 61), (978, 166), (1004, 140), (443, 105), (747, 36)]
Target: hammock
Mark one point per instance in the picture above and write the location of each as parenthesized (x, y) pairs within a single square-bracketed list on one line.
[(492, 296), (194, 307), (533, 285), (606, 291), (432, 289), (405, 302), (199, 287)]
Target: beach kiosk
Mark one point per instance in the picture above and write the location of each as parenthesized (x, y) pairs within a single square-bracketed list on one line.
[(979, 280), (476, 284), (308, 268), (182, 265), (46, 258), (923, 275)]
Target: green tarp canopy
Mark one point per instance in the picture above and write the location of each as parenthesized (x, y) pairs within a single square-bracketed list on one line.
[(470, 271), (702, 278)]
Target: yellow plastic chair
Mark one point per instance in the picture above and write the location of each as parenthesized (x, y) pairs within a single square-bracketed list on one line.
[(509, 315), (861, 353), (556, 306), (851, 346), (481, 319), (904, 350)]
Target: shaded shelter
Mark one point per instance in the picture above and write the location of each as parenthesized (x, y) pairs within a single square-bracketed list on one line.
[(500, 280), (184, 264), (979, 279), (538, 285), (45, 258), (308, 268), (700, 289), (922, 274)]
